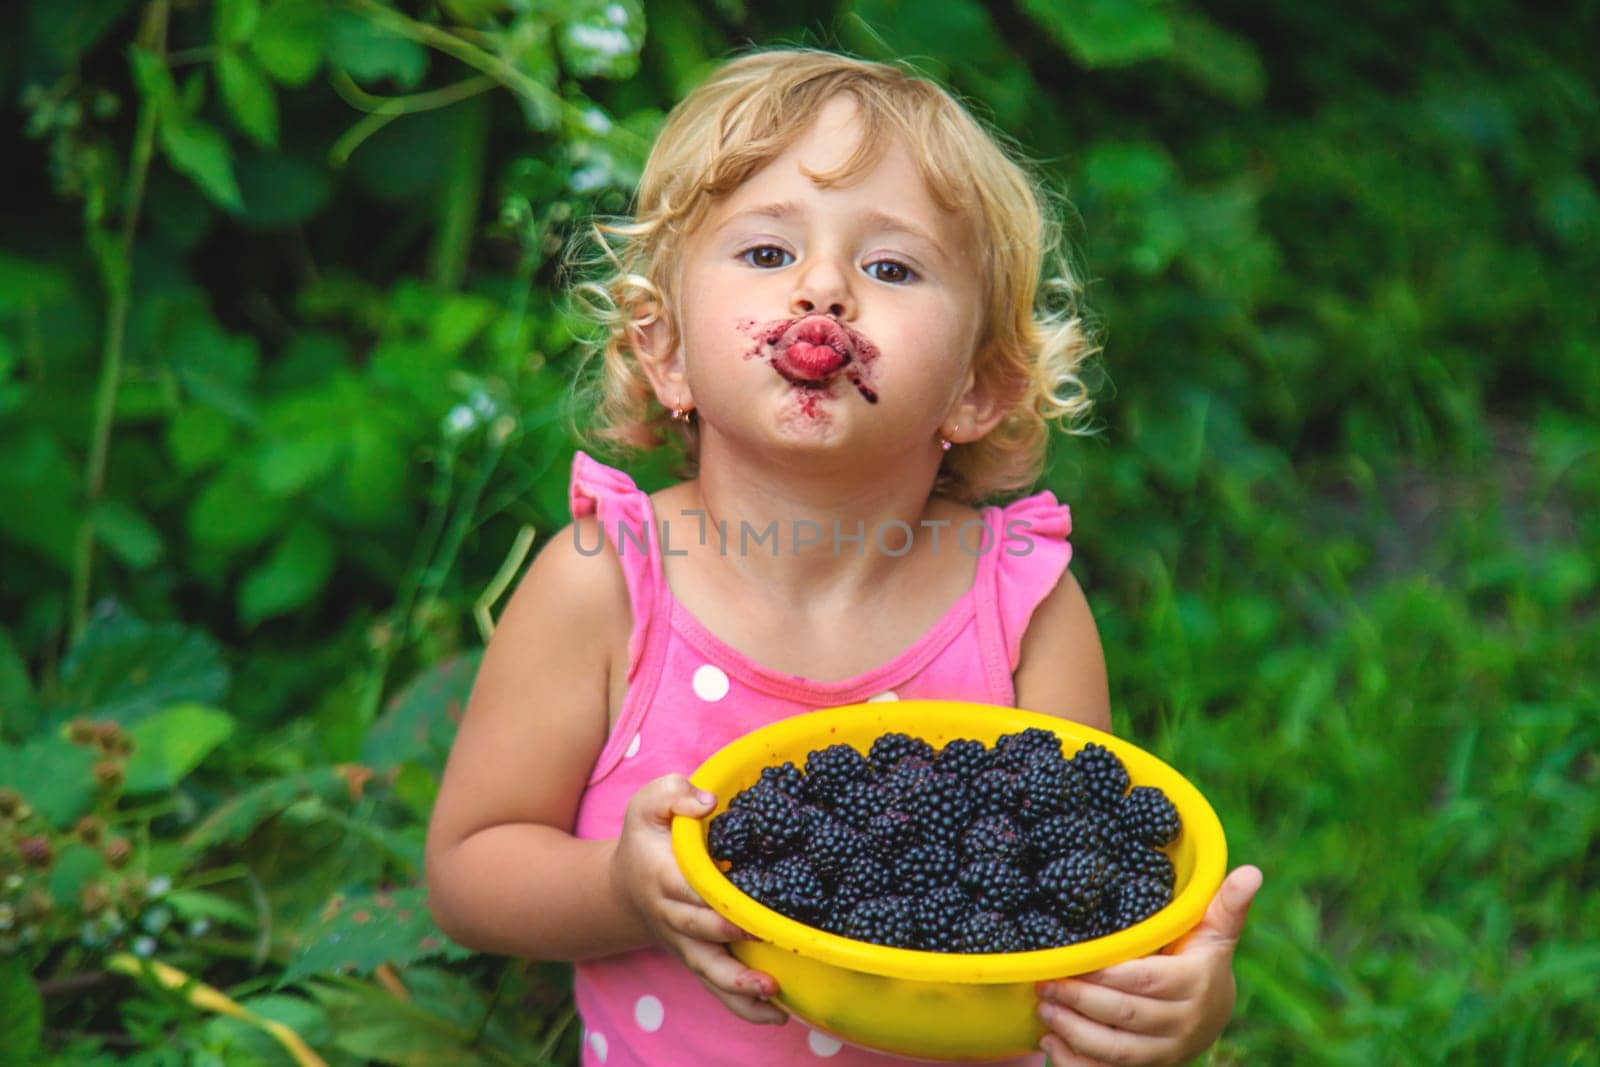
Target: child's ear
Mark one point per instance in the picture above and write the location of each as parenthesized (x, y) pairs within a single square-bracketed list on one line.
[(980, 408), (660, 353)]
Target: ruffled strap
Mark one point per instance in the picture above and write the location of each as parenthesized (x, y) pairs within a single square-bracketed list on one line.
[(624, 514), (1028, 556)]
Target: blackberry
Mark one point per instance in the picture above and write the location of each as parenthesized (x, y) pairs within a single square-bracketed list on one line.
[(786, 778), (1086, 830), (924, 868), (892, 831), (996, 885), (1073, 887), (1038, 929), (864, 876), (1099, 776), (994, 837), (1141, 861), (857, 802), (754, 882), (828, 769), (795, 890), (940, 805), (776, 823), (1136, 899), (889, 749), (830, 844), (986, 931), (1016, 751), (994, 792), (938, 914), (963, 758), (1044, 788), (1149, 817), (884, 921), (730, 837)]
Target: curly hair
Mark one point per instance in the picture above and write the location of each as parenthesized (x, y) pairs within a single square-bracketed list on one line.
[(1034, 336)]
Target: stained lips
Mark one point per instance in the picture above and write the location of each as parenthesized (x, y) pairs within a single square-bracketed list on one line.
[(810, 353), (817, 349)]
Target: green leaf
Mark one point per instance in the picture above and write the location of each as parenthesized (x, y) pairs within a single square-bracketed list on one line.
[(1105, 33), (30, 284), (197, 150), (124, 669), (130, 536), (235, 21), (250, 98), (75, 867), (21, 1012), (171, 743), (369, 53), (18, 706), (281, 189), (1133, 169), (291, 577), (420, 722), (238, 816), (198, 437), (287, 465), (290, 38), (198, 904), (602, 39), (1226, 64), (232, 514), (66, 30), (361, 930), (56, 777)]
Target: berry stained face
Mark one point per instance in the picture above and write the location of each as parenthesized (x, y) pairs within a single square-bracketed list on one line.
[(811, 351)]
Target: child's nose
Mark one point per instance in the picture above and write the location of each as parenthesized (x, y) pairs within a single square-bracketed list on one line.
[(823, 287)]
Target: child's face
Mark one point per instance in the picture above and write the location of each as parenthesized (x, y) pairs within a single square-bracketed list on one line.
[(842, 319)]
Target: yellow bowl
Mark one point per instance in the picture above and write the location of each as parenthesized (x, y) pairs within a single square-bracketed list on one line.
[(932, 1005)]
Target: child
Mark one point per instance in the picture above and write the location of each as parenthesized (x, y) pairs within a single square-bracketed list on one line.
[(828, 292)]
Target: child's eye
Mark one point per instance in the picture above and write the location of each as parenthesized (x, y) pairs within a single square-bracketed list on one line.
[(895, 271), (767, 257)]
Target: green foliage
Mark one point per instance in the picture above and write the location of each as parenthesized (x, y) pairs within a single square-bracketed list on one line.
[(284, 365)]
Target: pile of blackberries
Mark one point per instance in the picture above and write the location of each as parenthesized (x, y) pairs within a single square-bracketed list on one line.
[(963, 849)]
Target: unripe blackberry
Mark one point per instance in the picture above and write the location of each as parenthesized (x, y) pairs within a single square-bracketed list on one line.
[(1073, 888), (987, 931), (36, 851), (1149, 817), (10, 801), (884, 921), (1016, 751), (923, 868), (731, 836), (963, 758), (994, 837), (996, 885), (828, 769), (889, 749), (1099, 776), (116, 850), (1038, 929), (938, 915)]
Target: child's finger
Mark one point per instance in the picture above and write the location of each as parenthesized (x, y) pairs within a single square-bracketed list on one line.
[(1097, 1041), (1124, 1011), (1160, 977), (1060, 1055), (744, 990), (700, 923)]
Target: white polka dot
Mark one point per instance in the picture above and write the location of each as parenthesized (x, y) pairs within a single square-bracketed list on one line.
[(710, 683), (649, 1013), (598, 1043), (823, 1045), (884, 697), (633, 748)]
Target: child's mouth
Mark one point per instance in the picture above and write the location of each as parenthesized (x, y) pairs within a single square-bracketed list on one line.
[(813, 352)]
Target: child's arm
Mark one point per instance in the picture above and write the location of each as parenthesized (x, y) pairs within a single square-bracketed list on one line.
[(1162, 1009), (505, 873)]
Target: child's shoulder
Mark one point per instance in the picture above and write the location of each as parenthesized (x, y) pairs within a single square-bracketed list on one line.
[(575, 582)]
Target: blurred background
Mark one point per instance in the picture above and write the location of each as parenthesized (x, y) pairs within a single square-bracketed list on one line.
[(283, 367)]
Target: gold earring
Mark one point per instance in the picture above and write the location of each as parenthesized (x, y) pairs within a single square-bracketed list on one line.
[(681, 414), (944, 444)]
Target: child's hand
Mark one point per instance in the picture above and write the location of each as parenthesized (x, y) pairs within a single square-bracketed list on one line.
[(1159, 1010), (647, 876)]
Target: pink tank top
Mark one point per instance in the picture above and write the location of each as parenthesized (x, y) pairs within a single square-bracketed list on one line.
[(689, 693)]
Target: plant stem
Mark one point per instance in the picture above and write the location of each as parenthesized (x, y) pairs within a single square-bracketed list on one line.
[(117, 270), (458, 213)]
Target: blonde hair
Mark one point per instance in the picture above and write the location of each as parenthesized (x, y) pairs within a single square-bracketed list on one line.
[(1033, 342)]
